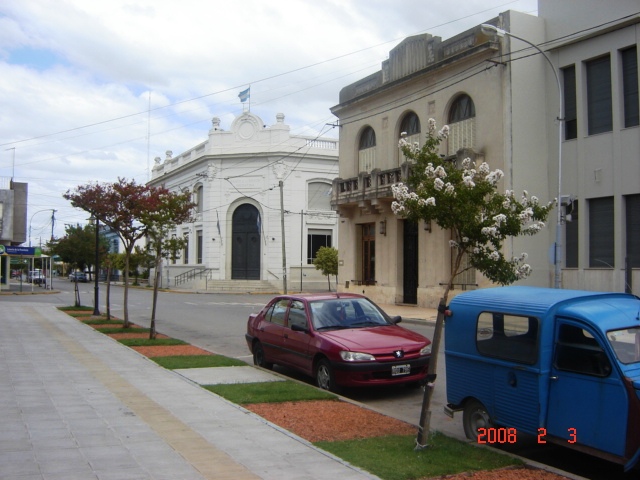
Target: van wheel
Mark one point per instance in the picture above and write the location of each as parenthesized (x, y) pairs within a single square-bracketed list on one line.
[(475, 416), (259, 358)]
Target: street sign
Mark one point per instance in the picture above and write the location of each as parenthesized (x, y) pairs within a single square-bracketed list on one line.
[(26, 251)]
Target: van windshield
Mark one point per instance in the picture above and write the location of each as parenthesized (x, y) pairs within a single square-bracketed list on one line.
[(626, 344)]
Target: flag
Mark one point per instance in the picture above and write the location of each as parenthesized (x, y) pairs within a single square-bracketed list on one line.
[(244, 95)]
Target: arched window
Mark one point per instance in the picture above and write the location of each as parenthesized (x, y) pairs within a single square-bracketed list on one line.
[(410, 129), (199, 198), (319, 196), (462, 124), (462, 108), (367, 150)]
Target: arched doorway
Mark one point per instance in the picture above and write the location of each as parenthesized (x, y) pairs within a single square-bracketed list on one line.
[(245, 248)]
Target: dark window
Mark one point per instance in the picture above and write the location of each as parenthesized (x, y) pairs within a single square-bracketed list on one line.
[(630, 86), (185, 252), (632, 203), (410, 124), (509, 337), (461, 109), (315, 240), (570, 113), (369, 253), (599, 106), (367, 139), (572, 239), (199, 246), (577, 351), (601, 233)]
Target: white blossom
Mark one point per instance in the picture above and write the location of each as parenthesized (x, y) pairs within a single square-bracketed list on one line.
[(484, 168), (468, 182), (466, 163), (440, 172), (495, 256), (438, 184), (432, 126), (444, 132), (495, 176), (453, 244), (449, 189), (500, 219)]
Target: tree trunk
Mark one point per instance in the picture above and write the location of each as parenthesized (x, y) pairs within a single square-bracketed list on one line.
[(156, 282), (425, 414), (125, 323)]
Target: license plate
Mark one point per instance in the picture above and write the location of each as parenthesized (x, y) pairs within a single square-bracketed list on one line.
[(400, 370)]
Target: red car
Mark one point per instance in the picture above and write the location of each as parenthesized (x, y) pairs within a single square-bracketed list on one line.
[(342, 340)]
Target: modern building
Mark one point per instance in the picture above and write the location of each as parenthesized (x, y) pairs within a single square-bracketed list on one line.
[(263, 207), (501, 100), (595, 48)]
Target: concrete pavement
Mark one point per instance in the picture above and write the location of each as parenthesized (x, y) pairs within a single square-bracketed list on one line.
[(75, 404)]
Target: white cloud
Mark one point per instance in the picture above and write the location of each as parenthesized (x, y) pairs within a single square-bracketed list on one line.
[(75, 76)]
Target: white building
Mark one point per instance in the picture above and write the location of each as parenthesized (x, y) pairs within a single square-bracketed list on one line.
[(262, 195)]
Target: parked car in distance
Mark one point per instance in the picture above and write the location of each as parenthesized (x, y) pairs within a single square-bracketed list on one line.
[(341, 340), (78, 277), (36, 277)]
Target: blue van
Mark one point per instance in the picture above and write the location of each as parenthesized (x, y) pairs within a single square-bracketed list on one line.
[(562, 365)]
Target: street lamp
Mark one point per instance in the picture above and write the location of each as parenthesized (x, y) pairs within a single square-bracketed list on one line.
[(96, 290), (488, 29)]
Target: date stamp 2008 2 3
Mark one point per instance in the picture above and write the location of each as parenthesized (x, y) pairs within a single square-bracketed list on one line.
[(510, 435)]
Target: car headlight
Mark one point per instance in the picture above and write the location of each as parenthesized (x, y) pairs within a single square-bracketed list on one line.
[(426, 350), (356, 356)]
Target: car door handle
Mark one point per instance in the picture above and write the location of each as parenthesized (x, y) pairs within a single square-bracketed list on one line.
[(554, 377)]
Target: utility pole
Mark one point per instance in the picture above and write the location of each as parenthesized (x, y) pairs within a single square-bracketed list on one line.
[(53, 222), (284, 253)]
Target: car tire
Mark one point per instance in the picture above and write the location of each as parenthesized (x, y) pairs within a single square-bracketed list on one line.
[(259, 358), (475, 416), (325, 378)]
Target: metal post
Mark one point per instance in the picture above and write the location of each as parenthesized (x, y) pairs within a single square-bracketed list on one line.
[(284, 253), (558, 244)]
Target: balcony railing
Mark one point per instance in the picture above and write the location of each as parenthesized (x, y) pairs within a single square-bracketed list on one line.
[(368, 186)]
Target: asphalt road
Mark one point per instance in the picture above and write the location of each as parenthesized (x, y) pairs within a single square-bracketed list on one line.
[(217, 322)]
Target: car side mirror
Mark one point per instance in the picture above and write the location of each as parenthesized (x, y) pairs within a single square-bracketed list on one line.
[(296, 327), (397, 319)]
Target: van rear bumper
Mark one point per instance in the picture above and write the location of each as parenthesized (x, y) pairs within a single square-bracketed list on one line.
[(450, 409)]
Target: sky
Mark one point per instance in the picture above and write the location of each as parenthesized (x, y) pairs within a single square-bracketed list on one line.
[(92, 90)]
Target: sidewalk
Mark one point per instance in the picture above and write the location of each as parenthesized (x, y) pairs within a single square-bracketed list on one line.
[(75, 404)]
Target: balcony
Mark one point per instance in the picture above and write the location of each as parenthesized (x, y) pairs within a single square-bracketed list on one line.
[(369, 191)]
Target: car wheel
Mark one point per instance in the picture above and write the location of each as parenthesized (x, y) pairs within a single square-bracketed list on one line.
[(324, 376), (258, 357), (475, 416)]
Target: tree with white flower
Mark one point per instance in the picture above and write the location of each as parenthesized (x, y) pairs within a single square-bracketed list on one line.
[(464, 199)]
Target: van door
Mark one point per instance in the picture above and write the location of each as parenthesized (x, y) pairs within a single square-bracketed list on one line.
[(588, 403)]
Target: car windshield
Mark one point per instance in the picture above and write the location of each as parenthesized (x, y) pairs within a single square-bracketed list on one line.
[(346, 313), (626, 344)]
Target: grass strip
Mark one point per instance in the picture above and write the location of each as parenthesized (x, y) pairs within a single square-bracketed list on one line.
[(72, 308), (102, 321), (197, 361), (269, 392), (108, 330), (394, 457), (145, 342)]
